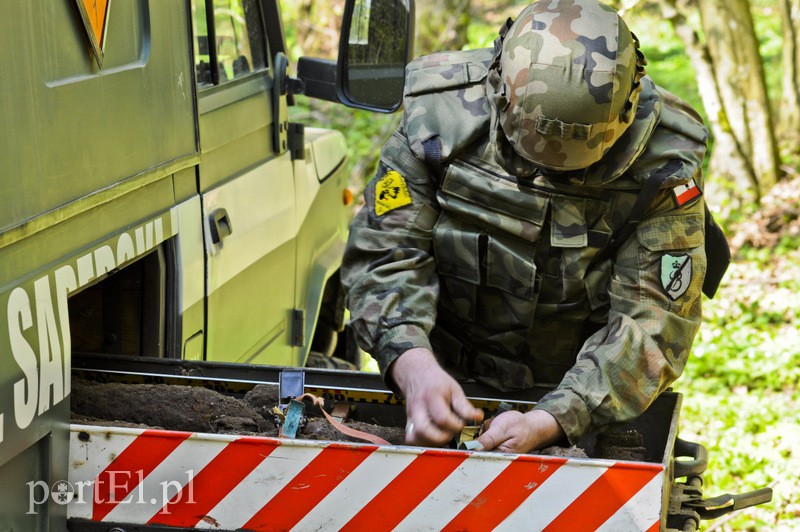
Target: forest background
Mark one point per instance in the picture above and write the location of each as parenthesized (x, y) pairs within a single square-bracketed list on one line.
[(738, 63)]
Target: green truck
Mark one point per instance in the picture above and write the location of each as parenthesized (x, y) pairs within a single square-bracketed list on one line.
[(158, 202)]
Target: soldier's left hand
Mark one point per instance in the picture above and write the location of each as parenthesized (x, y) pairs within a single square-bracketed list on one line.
[(515, 432)]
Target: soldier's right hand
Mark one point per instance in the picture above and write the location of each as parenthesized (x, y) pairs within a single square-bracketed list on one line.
[(436, 407)]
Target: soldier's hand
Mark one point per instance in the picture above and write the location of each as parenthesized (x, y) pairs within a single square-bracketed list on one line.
[(515, 432), (436, 407)]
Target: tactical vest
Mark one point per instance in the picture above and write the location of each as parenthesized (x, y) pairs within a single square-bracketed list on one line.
[(523, 261)]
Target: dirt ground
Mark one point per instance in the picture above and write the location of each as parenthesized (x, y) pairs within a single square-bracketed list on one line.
[(197, 409)]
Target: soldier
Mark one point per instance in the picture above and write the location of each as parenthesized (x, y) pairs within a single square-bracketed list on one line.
[(536, 218)]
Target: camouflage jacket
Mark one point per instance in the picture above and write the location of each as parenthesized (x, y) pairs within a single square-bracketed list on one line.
[(500, 273)]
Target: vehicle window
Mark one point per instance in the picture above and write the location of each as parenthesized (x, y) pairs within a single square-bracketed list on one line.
[(238, 37), (202, 56)]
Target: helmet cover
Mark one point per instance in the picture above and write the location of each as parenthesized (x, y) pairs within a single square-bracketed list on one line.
[(564, 84)]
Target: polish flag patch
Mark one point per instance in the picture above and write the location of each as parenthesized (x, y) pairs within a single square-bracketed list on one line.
[(686, 193)]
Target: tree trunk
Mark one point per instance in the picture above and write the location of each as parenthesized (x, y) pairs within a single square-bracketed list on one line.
[(733, 48), (731, 81), (729, 158), (789, 124)]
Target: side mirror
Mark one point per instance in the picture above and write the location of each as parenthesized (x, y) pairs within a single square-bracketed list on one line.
[(374, 48)]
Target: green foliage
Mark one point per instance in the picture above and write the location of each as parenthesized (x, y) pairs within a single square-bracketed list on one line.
[(481, 34), (667, 61), (741, 387), (669, 66)]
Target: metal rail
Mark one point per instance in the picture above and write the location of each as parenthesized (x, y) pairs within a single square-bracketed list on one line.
[(337, 385)]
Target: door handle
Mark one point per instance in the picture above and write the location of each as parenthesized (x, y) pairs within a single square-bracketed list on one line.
[(220, 225)]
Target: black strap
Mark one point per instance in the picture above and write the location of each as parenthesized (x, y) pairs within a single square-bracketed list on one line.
[(643, 202), (433, 155)]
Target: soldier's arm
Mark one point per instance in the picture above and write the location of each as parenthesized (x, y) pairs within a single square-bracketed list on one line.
[(388, 269), (655, 313)]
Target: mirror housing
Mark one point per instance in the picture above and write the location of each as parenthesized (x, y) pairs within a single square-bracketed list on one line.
[(375, 45), (374, 48)]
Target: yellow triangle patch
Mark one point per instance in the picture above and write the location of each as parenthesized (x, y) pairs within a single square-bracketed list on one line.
[(391, 193)]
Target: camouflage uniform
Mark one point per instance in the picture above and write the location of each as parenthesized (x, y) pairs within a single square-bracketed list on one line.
[(468, 248)]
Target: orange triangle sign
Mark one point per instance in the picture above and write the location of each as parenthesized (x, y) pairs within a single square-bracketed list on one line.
[(94, 14)]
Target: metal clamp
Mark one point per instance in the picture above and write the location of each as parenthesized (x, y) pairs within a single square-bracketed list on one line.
[(694, 467), (686, 504), (291, 384), (290, 413), (727, 503)]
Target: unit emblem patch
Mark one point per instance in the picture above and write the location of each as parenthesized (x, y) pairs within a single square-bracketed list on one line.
[(391, 193), (676, 274)]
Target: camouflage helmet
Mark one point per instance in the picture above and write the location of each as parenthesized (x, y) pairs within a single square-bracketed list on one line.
[(564, 85)]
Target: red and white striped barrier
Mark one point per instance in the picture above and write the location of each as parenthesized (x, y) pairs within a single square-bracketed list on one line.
[(227, 482)]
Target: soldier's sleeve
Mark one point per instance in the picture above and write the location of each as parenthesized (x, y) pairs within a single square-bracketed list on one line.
[(655, 313), (388, 269)]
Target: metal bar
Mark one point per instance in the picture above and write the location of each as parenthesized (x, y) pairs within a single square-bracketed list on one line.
[(340, 385)]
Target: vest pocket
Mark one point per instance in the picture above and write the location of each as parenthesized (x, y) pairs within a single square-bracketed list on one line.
[(569, 228), (499, 204), (502, 373), (578, 231), (488, 287), (465, 253), (456, 248), (511, 268)]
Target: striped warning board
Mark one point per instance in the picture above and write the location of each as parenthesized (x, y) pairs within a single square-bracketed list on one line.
[(218, 482)]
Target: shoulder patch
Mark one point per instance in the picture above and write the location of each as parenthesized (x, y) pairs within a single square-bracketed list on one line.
[(391, 193), (676, 274), (686, 193)]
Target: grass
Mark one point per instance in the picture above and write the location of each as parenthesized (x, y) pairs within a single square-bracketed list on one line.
[(741, 389)]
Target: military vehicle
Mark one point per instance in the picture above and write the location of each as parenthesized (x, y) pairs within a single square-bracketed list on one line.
[(158, 202)]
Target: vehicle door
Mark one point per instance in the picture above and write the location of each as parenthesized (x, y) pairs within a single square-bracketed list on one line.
[(247, 188)]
